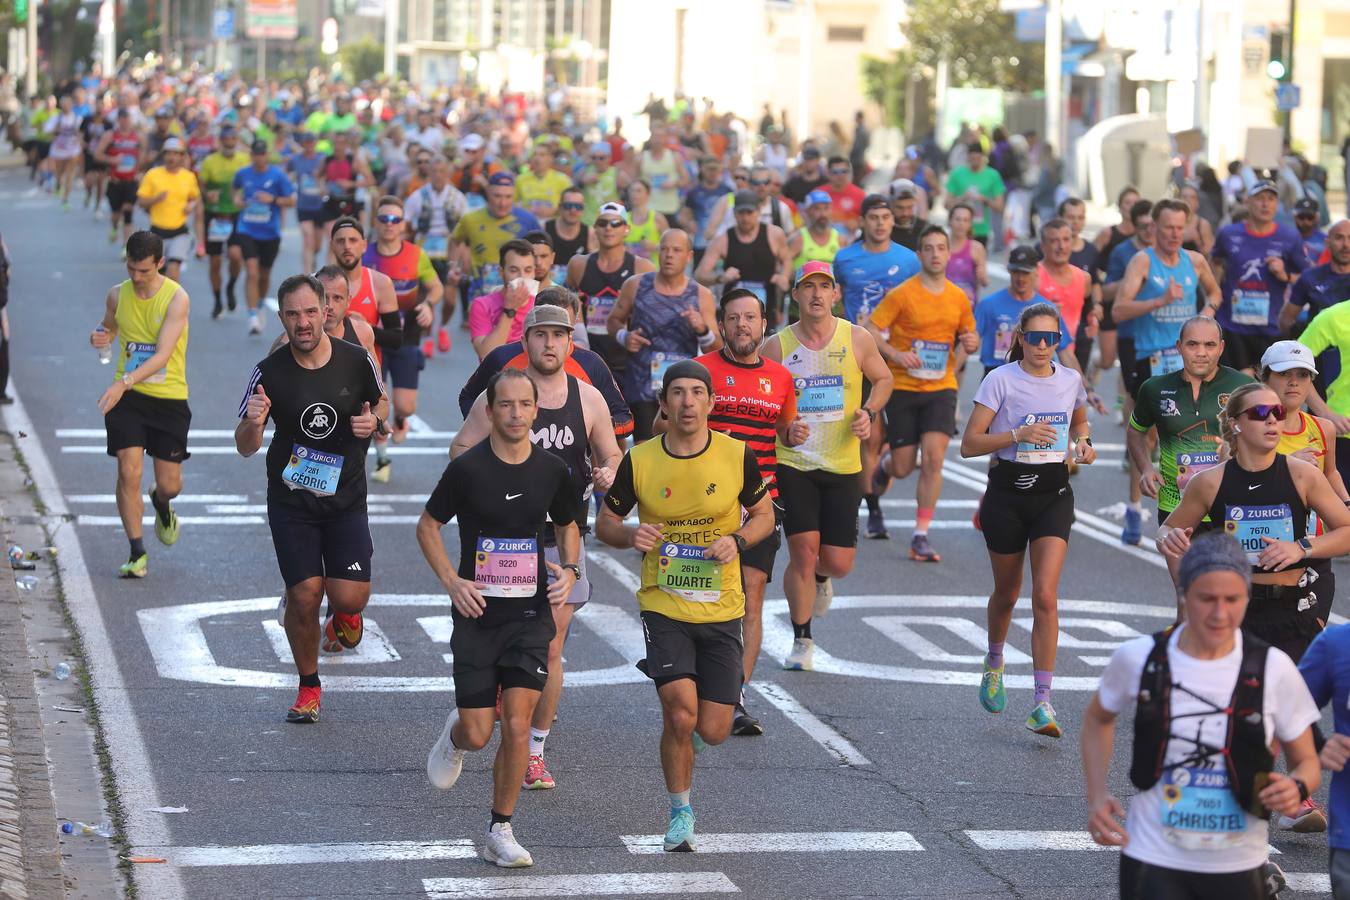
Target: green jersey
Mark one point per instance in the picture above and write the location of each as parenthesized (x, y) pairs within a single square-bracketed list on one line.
[(1188, 426), (986, 182), (1330, 329)]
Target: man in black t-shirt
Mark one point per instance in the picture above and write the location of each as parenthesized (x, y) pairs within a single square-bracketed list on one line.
[(500, 490), (326, 400)]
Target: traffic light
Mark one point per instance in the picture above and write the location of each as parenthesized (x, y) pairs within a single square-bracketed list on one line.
[(21, 12), (1278, 67)]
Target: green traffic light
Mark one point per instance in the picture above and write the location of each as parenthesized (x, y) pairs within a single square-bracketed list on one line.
[(1275, 69), (21, 11)]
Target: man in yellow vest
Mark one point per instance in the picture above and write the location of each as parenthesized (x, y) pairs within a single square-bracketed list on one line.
[(145, 409)]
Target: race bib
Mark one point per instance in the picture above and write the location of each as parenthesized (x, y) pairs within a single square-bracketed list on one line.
[(820, 398), (258, 213), (489, 277), (660, 181), (597, 313), (1003, 341), (758, 288), (507, 567), (1053, 452), (1165, 361), (558, 274), (436, 246), (1250, 524), (660, 362), (683, 571), (1190, 465), (313, 470), (1199, 811), (475, 201), (933, 356), (309, 186), (126, 164), (138, 354), (1251, 307), (219, 230)]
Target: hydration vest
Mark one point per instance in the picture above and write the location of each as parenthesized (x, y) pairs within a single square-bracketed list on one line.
[(1245, 751), (424, 215)]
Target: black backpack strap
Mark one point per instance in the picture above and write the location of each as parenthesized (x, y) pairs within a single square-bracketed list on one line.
[(1246, 753), (1152, 714)]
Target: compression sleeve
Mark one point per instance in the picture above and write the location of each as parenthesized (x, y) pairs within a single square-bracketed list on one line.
[(389, 333)]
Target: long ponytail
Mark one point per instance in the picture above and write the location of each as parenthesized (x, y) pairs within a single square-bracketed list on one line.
[(1228, 416)]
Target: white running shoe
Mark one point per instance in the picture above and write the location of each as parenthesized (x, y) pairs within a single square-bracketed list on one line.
[(281, 610), (799, 660), (255, 324), (445, 761), (824, 597), (501, 849)]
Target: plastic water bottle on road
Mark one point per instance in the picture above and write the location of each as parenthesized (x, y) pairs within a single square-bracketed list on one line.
[(102, 829), (104, 353), (61, 671)]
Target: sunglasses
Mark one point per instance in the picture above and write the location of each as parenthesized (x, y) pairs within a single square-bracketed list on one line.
[(741, 177), (839, 171), (389, 219), (1042, 338), (599, 158), (759, 182), (1262, 411), (609, 223)]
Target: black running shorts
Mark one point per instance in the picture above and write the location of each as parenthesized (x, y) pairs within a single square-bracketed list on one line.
[(159, 426), (264, 251), (1010, 520), (509, 654), (338, 547), (814, 500), (762, 555), (710, 653), (912, 414), (1145, 881)]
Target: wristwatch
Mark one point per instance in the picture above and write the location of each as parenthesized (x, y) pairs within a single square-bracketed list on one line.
[(1306, 544), (871, 414), (380, 427), (741, 542), (126, 380), (510, 313), (1086, 439), (576, 569)]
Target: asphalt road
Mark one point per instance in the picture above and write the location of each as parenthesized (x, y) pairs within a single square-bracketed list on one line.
[(879, 774)]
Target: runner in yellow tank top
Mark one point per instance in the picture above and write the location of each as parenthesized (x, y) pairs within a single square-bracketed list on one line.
[(818, 480), (145, 409), (818, 241)]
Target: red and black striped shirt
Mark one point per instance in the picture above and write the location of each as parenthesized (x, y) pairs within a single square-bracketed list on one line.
[(748, 402)]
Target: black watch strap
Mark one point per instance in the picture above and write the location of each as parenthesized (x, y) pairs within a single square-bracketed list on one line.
[(741, 543), (576, 569)]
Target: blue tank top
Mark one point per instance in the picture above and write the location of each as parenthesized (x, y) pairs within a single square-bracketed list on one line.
[(1157, 332), (308, 188), (661, 318)]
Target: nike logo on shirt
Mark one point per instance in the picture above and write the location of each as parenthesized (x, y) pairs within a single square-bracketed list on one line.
[(513, 496)]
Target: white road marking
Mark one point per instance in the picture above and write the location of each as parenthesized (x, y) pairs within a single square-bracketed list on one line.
[(145, 498), (132, 771), (580, 885), (898, 629), (787, 842), (1118, 630), (373, 649), (1095, 660), (1308, 882), (1034, 840), (255, 508), (304, 854), (105, 521), (833, 742)]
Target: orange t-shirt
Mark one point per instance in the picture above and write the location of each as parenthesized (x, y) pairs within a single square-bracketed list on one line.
[(927, 324)]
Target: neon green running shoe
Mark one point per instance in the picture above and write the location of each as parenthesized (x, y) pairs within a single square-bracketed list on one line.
[(167, 534), (136, 568), (1042, 720), (992, 696)]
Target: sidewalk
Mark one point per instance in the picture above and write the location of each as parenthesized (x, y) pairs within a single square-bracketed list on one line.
[(47, 739)]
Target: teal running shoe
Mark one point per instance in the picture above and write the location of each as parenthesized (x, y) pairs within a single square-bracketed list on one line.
[(992, 696), (1042, 720), (680, 834)]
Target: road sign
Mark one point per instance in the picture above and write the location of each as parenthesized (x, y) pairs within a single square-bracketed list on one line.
[(1288, 96), (370, 9), (275, 19), (222, 25)]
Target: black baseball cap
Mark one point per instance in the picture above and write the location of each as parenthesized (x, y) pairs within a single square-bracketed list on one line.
[(686, 368), (1023, 259), (873, 201), (1307, 207), (258, 147), (347, 222)]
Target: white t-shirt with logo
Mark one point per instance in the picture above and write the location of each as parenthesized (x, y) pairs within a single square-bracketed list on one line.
[(1288, 711)]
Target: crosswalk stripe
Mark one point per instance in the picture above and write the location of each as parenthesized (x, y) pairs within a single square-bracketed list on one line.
[(300, 854), (786, 842), (145, 498), (580, 885)]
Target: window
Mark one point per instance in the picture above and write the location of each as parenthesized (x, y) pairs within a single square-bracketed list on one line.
[(846, 33)]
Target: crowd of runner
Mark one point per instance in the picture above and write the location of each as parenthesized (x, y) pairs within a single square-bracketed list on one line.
[(774, 346)]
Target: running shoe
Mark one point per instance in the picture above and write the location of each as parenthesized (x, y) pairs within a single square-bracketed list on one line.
[(344, 630), (255, 324), (230, 302), (428, 348), (383, 469), (135, 568), (1274, 879), (824, 597), (501, 848), (1133, 531), (112, 233), (744, 723), (699, 743), (1042, 720), (537, 775), (922, 551), (799, 660), (876, 526), (881, 479), (1309, 820), (680, 832), (167, 534), (305, 710), (443, 340), (281, 611), (992, 696), (218, 309), (445, 761)]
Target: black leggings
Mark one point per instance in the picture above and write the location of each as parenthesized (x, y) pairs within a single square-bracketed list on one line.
[(4, 363), (1144, 881)]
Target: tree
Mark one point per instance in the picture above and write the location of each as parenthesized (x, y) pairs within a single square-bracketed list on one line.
[(361, 59), (978, 42)]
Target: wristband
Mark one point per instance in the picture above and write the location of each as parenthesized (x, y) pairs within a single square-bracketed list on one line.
[(621, 336), (576, 569), (706, 339), (740, 542)]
